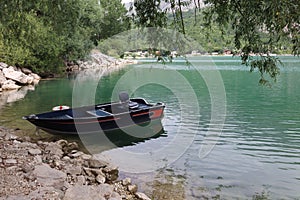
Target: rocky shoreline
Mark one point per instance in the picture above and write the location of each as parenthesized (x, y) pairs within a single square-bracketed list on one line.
[(15, 82), (98, 60), (13, 78), (57, 170)]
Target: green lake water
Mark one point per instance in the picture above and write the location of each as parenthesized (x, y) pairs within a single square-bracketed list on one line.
[(224, 135)]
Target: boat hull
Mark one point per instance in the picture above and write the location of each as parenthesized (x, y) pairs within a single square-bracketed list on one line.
[(57, 122)]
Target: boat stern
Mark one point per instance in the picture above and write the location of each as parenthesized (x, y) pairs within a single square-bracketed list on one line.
[(157, 111)]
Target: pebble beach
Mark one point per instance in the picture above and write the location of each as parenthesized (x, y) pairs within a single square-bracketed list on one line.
[(57, 170), (39, 169)]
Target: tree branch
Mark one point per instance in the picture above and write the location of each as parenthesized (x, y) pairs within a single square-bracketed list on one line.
[(181, 16)]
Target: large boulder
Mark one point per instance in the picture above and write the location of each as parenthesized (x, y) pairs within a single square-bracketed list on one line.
[(99, 192), (30, 79), (2, 78), (54, 149), (18, 76), (26, 71), (49, 177), (10, 85), (3, 65), (36, 78)]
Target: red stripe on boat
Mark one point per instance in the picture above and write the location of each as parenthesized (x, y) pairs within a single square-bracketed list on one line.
[(155, 113)]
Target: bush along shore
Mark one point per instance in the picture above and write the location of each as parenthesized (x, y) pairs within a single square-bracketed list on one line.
[(57, 170)]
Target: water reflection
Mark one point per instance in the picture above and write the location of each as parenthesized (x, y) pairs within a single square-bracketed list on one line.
[(258, 151), (99, 142), (11, 96)]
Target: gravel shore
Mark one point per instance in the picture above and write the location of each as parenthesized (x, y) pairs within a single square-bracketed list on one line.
[(33, 169), (57, 170)]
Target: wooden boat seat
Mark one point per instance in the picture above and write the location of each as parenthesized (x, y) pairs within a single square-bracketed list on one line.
[(133, 105), (143, 106), (98, 113)]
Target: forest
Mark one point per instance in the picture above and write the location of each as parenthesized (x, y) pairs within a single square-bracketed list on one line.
[(46, 35)]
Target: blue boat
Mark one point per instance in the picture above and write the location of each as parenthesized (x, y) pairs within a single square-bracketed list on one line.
[(101, 117)]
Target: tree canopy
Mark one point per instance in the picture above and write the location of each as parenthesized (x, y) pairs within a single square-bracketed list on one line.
[(259, 26), (42, 35)]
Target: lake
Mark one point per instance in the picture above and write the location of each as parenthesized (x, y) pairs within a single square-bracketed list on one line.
[(224, 135)]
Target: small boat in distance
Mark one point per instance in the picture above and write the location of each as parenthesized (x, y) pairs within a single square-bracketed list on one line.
[(97, 118)]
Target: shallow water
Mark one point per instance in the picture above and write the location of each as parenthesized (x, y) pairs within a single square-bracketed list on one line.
[(225, 136)]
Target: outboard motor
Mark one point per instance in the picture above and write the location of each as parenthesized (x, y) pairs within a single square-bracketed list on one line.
[(124, 98)]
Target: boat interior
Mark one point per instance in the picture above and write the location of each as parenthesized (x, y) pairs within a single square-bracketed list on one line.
[(101, 110)]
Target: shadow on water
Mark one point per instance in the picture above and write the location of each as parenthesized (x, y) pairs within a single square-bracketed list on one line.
[(97, 143), (103, 141)]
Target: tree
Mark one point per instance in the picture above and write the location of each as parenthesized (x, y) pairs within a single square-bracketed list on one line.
[(148, 13), (115, 19), (211, 39), (42, 35), (258, 26)]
